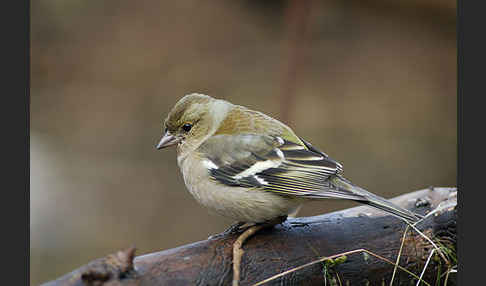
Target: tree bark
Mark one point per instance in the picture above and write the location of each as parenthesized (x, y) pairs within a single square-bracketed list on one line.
[(296, 242)]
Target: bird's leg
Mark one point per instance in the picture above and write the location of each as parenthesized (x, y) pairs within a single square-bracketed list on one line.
[(234, 228), (237, 245)]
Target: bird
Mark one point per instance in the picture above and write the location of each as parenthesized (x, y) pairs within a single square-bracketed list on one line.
[(252, 168)]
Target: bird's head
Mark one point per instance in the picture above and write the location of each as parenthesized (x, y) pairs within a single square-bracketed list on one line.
[(193, 119)]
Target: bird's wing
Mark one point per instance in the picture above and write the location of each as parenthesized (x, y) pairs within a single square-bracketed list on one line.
[(273, 164)]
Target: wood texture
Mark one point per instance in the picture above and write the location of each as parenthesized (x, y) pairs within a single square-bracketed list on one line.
[(296, 242)]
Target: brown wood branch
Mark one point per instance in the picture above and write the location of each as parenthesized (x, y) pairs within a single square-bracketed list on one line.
[(238, 251), (294, 243)]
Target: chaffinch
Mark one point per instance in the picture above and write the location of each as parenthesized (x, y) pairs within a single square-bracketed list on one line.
[(252, 168)]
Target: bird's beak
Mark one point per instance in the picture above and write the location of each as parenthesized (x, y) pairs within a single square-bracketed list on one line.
[(167, 140)]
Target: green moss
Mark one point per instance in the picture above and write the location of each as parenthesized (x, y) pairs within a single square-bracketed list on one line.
[(328, 271)]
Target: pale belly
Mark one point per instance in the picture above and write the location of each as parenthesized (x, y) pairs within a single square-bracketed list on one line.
[(240, 204)]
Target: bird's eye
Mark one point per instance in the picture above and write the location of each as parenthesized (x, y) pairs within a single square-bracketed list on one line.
[(187, 127)]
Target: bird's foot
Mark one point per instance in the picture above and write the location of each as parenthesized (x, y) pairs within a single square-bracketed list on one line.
[(235, 228)]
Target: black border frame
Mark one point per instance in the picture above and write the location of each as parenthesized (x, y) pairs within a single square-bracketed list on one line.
[(15, 115), (470, 82)]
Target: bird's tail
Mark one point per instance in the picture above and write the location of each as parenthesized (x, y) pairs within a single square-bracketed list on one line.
[(365, 197)]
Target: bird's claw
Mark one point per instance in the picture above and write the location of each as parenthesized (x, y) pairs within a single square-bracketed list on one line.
[(235, 228)]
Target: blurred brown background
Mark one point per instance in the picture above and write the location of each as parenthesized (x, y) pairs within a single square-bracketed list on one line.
[(372, 83)]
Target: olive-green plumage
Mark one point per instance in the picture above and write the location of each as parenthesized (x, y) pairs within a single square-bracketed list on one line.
[(250, 167)]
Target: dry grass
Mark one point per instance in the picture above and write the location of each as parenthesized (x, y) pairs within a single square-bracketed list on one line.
[(441, 248)]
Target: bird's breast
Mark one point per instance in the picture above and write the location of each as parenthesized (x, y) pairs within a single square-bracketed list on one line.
[(238, 203)]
